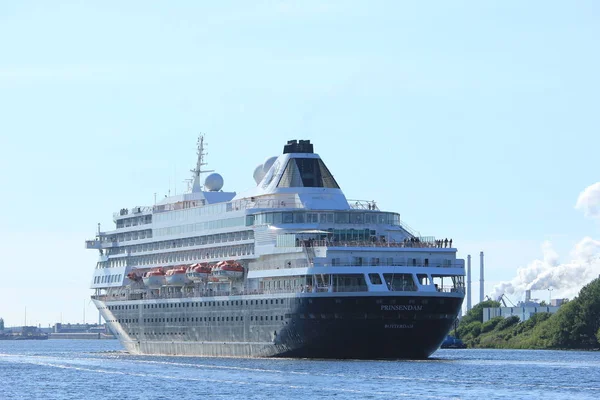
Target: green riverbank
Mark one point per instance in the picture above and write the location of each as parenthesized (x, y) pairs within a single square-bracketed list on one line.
[(576, 325)]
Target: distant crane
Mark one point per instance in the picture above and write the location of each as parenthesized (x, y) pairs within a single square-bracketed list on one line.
[(501, 300)]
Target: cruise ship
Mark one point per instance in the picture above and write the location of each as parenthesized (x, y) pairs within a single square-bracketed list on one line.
[(290, 268)]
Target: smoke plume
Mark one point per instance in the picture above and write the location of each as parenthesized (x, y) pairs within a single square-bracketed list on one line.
[(566, 278)]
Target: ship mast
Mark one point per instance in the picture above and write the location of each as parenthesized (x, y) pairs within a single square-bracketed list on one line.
[(196, 185)]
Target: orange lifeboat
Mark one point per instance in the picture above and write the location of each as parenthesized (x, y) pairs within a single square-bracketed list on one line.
[(154, 278), (198, 272), (229, 269), (177, 276)]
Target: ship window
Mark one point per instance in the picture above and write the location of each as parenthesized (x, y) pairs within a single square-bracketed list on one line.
[(342, 218), (400, 282), (349, 283), (299, 217), (423, 279), (288, 217), (375, 279)]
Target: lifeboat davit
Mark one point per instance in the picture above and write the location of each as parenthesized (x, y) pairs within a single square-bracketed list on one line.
[(198, 272), (155, 278), (229, 269), (134, 277), (177, 276)]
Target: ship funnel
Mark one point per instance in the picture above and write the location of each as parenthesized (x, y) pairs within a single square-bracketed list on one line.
[(481, 280), (468, 283)]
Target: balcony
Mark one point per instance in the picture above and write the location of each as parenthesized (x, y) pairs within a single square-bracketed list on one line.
[(99, 244), (93, 244)]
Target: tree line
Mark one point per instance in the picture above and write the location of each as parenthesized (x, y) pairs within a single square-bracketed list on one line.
[(576, 325)]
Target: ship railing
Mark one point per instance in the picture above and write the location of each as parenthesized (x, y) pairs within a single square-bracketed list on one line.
[(153, 295), (450, 289), (131, 211), (426, 242), (164, 295), (381, 263), (93, 244), (363, 205), (290, 202), (408, 229), (243, 204)]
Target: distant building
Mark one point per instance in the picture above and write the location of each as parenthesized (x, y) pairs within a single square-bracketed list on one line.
[(558, 302), (80, 331), (523, 312), (524, 309)]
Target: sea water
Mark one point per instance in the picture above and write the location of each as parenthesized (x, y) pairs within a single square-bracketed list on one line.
[(99, 369)]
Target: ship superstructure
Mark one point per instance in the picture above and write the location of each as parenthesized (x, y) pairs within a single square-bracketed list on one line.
[(290, 268)]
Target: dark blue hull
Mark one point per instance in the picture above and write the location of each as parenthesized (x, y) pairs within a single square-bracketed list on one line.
[(305, 326), (369, 328)]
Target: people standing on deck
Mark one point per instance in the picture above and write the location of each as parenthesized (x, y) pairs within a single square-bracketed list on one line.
[(450, 242), (446, 242)]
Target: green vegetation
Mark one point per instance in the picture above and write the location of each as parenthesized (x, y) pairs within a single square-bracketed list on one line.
[(576, 325)]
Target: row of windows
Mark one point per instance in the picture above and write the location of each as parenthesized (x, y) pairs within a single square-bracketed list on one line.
[(194, 255), (200, 226), (258, 318), (108, 278), (127, 236), (256, 302), (238, 318), (181, 256), (119, 262), (375, 279), (226, 303), (134, 221), (391, 261), (188, 213), (340, 217), (187, 242)]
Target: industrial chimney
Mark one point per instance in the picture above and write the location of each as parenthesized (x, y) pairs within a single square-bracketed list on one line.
[(468, 283), (481, 277)]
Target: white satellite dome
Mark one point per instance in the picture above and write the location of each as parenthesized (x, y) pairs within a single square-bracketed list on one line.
[(258, 173), (268, 164), (213, 182)]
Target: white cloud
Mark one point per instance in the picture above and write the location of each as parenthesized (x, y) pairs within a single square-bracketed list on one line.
[(589, 201)]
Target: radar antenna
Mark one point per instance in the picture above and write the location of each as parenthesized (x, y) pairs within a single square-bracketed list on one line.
[(197, 186)]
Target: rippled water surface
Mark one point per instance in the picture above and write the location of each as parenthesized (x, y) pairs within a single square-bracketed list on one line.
[(98, 369)]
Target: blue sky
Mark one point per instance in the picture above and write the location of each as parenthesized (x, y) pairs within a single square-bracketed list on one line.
[(474, 120)]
